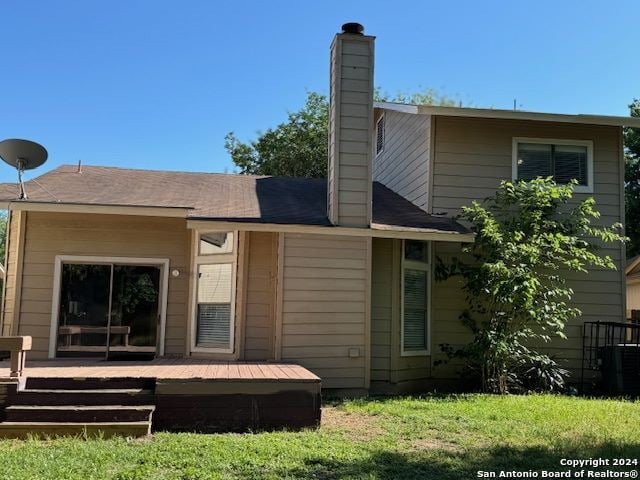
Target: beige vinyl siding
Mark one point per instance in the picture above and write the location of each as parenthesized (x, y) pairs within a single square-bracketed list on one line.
[(382, 310), (260, 296), (632, 280), (471, 157), (11, 267), (324, 307), (51, 234), (403, 165), (447, 302), (350, 119), (633, 296), (390, 371)]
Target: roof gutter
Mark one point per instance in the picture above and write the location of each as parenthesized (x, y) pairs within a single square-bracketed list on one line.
[(149, 211), (376, 231), (387, 232), (610, 120)]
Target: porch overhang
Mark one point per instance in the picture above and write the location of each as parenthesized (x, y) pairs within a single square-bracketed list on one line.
[(375, 230)]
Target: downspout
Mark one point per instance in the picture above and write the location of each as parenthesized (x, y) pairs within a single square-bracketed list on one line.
[(623, 219), (6, 265)]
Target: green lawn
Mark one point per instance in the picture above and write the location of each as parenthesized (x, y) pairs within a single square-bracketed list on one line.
[(432, 437)]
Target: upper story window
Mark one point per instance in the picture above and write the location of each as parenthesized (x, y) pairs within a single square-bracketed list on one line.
[(380, 135), (564, 160)]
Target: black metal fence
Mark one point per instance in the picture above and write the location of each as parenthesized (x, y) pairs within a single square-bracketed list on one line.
[(612, 349)]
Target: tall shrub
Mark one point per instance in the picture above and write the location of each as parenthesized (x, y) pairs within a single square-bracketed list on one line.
[(528, 236)]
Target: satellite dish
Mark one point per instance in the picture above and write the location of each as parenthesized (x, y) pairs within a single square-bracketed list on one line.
[(22, 155)]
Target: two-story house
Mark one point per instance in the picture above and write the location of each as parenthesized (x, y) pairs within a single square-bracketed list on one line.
[(334, 275)]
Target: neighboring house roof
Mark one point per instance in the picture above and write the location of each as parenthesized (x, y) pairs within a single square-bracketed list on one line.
[(510, 114), (222, 197), (632, 263)]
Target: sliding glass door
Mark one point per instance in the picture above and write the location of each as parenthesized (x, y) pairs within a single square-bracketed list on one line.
[(108, 310), (135, 294), (84, 310)]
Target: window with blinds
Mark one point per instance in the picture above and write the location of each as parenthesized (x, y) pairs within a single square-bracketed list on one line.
[(563, 161), (215, 263), (380, 135), (214, 306), (214, 325), (416, 277)]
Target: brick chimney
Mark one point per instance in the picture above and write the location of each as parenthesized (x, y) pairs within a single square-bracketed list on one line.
[(350, 128)]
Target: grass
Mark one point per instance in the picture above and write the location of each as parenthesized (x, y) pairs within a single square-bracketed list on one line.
[(448, 437)]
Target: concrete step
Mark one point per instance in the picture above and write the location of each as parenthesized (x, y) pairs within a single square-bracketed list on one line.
[(79, 413), (57, 429), (102, 396), (90, 383)]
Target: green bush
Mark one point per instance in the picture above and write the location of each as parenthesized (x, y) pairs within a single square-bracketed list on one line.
[(528, 236)]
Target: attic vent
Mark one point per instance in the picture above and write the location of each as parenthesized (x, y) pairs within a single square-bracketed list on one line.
[(380, 135)]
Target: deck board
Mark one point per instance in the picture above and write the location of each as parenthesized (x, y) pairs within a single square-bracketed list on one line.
[(166, 369), (255, 371), (234, 371)]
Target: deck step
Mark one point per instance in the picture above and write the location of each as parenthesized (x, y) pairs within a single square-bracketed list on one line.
[(55, 429), (80, 383), (90, 397), (79, 413)]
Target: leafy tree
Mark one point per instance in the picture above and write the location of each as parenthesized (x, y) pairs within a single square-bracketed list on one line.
[(298, 146), (632, 183), (428, 96), (527, 237)]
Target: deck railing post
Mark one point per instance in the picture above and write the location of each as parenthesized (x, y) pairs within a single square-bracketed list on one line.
[(18, 347), (17, 363)]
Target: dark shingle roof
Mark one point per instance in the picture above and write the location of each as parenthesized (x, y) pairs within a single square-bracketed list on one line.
[(237, 198), (393, 210)]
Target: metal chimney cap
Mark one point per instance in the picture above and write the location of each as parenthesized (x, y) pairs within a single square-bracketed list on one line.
[(353, 28)]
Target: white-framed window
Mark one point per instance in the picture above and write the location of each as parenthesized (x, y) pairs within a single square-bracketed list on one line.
[(213, 323), (563, 160), (415, 294), (380, 135)]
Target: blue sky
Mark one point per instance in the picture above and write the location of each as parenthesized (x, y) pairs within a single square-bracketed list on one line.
[(157, 84)]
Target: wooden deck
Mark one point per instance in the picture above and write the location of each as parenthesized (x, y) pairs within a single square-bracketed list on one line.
[(165, 369), (185, 394)]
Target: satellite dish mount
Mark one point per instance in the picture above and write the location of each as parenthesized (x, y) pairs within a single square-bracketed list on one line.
[(21, 166), (22, 155)]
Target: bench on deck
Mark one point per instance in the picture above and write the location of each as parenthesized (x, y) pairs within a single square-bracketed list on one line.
[(69, 331)]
